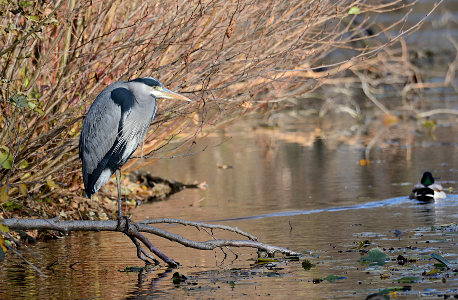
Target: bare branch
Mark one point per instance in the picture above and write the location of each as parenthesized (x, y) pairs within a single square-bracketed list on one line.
[(199, 225), (133, 230)]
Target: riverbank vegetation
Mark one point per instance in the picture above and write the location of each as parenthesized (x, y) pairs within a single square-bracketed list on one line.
[(231, 57)]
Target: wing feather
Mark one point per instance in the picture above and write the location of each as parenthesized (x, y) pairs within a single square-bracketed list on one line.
[(100, 132)]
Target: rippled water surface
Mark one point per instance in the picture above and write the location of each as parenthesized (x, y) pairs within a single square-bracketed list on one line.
[(313, 198)]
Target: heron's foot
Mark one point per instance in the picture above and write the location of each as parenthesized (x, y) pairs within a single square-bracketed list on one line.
[(125, 225), (119, 226)]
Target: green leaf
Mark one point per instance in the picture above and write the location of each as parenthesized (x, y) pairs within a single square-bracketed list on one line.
[(307, 265), (132, 269), (439, 258), (34, 18), (25, 3), (268, 260), (409, 279), (354, 11), (32, 104), (4, 228), (24, 164), (375, 256), (19, 100), (5, 159), (178, 278), (39, 111), (332, 278)]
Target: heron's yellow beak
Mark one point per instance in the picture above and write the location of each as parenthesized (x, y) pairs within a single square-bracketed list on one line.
[(168, 94)]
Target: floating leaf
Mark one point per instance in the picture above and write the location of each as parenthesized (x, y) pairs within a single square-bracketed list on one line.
[(364, 162), (307, 265), (376, 256), (430, 124), (362, 244), (409, 279), (178, 278), (132, 269), (394, 289), (3, 194), (291, 257), (389, 119), (332, 278), (439, 258), (432, 272), (354, 11), (268, 260)]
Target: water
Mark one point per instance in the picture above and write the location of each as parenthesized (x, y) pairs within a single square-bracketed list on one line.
[(299, 186), (310, 196)]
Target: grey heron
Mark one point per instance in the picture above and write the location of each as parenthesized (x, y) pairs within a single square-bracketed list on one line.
[(115, 124)]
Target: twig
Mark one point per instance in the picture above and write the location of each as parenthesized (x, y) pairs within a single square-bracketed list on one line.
[(198, 225), (432, 112)]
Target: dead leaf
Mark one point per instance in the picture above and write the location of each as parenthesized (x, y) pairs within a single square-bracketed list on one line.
[(364, 162), (229, 29), (23, 189), (4, 194), (389, 119)]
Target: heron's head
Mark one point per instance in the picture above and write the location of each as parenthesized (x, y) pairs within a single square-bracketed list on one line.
[(153, 87)]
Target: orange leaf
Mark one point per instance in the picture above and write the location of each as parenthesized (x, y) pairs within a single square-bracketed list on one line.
[(364, 162), (389, 119)]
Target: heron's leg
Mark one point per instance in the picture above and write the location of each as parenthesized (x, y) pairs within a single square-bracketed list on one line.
[(118, 182)]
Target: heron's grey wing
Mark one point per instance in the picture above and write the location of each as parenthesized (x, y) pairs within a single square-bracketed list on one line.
[(100, 131)]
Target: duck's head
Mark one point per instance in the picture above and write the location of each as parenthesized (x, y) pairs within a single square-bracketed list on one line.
[(427, 179)]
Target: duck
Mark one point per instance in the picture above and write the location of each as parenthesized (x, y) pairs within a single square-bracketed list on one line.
[(426, 190)]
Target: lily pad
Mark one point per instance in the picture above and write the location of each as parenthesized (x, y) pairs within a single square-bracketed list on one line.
[(133, 269), (333, 278), (267, 260), (375, 256), (408, 279), (178, 278), (307, 265), (439, 258)]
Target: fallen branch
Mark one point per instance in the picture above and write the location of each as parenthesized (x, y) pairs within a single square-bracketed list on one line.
[(133, 231)]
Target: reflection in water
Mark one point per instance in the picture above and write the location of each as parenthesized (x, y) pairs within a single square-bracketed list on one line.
[(308, 197)]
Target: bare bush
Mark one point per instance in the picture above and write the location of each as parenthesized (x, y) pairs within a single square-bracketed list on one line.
[(231, 57)]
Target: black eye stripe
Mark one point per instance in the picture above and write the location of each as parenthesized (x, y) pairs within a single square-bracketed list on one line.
[(148, 81)]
